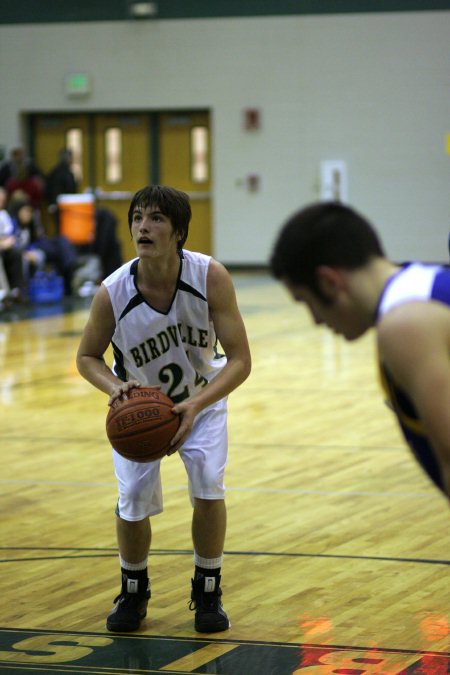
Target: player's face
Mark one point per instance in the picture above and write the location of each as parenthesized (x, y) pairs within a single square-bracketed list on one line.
[(152, 232), (339, 315)]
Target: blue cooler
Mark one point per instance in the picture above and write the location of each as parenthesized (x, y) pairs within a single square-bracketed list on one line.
[(46, 287)]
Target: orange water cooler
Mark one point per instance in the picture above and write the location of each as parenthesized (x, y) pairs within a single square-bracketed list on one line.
[(77, 218)]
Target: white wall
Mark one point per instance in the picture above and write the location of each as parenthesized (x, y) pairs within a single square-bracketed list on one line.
[(370, 89)]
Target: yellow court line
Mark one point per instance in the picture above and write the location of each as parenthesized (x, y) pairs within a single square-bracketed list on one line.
[(200, 657)]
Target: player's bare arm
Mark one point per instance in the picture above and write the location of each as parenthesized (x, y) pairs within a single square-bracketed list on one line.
[(414, 342), (94, 343), (232, 336)]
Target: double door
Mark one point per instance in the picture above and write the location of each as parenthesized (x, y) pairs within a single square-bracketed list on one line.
[(116, 154)]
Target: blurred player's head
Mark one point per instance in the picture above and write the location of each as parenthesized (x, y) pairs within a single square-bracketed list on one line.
[(323, 234), (172, 203)]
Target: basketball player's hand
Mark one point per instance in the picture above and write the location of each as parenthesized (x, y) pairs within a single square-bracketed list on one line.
[(188, 411), (121, 390)]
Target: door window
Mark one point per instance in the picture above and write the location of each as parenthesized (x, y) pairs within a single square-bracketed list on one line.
[(113, 155), (199, 154), (74, 142)]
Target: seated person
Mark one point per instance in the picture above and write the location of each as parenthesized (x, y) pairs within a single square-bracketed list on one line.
[(39, 250), (10, 255)]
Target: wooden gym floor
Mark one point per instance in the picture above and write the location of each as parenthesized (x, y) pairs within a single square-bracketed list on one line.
[(337, 553)]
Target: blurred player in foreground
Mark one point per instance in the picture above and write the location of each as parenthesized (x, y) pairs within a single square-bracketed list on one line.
[(330, 258), (164, 314)]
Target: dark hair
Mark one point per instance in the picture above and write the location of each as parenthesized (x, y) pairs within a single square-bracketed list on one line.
[(172, 203), (326, 233), (65, 155)]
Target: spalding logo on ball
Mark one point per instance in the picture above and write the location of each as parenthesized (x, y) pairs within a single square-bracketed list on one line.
[(141, 427)]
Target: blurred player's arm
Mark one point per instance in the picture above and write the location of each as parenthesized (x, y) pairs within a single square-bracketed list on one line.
[(414, 343)]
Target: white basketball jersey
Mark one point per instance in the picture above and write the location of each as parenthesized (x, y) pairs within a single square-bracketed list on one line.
[(176, 349)]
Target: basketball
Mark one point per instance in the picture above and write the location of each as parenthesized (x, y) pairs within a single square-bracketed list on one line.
[(141, 427)]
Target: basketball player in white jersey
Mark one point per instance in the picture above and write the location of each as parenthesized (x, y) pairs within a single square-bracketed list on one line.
[(330, 258), (168, 315)]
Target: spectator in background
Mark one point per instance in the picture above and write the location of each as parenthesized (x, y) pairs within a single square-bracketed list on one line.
[(20, 173), (10, 255), (100, 258), (106, 243), (39, 250), (60, 181)]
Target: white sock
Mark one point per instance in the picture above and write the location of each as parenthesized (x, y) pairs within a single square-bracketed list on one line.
[(208, 563), (133, 567)]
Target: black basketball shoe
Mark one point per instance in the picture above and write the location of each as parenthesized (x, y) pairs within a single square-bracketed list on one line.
[(131, 606), (210, 616)]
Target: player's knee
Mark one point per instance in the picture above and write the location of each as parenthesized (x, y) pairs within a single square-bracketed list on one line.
[(208, 483), (134, 490), (135, 499)]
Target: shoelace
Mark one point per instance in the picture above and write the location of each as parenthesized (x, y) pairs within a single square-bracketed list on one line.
[(206, 603)]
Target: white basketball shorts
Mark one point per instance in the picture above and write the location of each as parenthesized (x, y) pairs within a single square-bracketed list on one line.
[(204, 455)]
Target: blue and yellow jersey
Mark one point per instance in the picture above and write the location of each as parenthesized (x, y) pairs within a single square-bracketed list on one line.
[(414, 282)]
